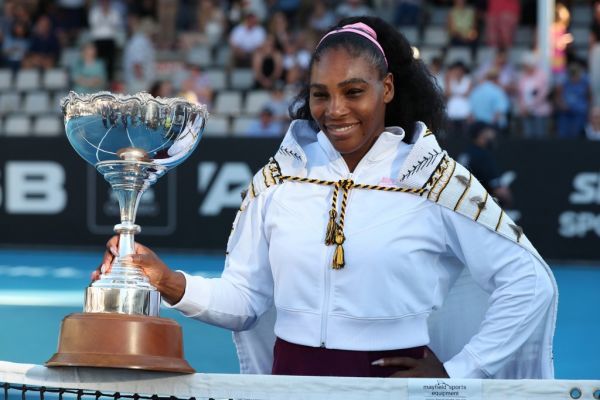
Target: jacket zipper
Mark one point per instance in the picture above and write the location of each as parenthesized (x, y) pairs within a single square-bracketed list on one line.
[(326, 286)]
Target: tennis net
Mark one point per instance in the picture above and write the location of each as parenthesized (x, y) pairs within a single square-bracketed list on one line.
[(33, 382)]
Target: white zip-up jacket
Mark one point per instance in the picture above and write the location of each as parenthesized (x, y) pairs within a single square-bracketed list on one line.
[(403, 253)]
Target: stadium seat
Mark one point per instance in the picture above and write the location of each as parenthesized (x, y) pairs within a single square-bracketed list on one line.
[(217, 125), (255, 100), (411, 33), (581, 15), (581, 36), (525, 36), (459, 54), (56, 79), (216, 78), (36, 102), (69, 57), (241, 78), (48, 125), (435, 36), (228, 102), (484, 54), (427, 53), (27, 79), (223, 56), (17, 125), (200, 55), (241, 125), (6, 79), (56, 100), (439, 16), (9, 102)]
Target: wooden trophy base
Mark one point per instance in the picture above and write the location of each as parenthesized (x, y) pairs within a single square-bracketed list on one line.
[(120, 341)]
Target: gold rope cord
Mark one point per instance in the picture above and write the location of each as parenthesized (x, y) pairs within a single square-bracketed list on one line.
[(335, 229)]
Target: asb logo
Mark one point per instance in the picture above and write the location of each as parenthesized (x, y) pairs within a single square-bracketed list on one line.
[(156, 213)]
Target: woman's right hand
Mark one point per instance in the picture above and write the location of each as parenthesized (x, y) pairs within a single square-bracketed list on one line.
[(170, 284)]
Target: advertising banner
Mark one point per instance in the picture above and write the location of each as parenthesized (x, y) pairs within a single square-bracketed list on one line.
[(50, 196)]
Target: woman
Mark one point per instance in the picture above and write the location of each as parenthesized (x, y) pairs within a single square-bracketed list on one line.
[(349, 234)]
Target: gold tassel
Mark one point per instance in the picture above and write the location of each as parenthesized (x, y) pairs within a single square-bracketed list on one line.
[(338, 255), (331, 228)]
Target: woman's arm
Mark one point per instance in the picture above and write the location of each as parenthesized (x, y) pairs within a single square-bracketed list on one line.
[(521, 292)]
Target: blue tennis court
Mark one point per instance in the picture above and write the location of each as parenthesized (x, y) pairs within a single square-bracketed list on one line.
[(38, 288)]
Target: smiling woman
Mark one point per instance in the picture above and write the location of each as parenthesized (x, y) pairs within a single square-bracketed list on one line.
[(362, 248)]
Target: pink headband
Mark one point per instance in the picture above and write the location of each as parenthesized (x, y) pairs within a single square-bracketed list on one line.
[(361, 29)]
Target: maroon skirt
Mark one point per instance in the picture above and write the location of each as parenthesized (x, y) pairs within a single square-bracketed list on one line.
[(295, 359)]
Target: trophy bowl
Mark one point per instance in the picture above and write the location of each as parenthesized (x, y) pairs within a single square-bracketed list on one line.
[(132, 140)]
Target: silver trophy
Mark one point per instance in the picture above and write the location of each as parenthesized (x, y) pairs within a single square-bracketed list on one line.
[(132, 141)]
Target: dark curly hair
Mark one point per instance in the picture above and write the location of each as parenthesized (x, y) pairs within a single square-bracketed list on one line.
[(416, 96)]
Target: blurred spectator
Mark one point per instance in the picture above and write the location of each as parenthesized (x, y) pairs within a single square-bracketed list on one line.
[(296, 58), (289, 8), (592, 130), (244, 39), (502, 22), (143, 8), (88, 73), (572, 103), (72, 19), (500, 63), (352, 8), (279, 29), (561, 39), (163, 88), (198, 84), (266, 125), (489, 102), (209, 27), (533, 105), (139, 56), (408, 12), (436, 67), (7, 18), (278, 103), (479, 159), (15, 46), (106, 27), (594, 55), (44, 49), (267, 64), (321, 18), (167, 20), (462, 26), (458, 86)]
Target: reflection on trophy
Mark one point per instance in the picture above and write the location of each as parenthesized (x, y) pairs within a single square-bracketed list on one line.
[(132, 141)]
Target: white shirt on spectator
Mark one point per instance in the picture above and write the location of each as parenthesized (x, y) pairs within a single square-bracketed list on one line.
[(248, 39)]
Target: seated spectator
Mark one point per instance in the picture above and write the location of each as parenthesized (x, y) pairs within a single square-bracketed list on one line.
[(352, 8), (296, 58), (489, 102), (532, 104), (106, 28), (245, 39), (572, 103), (408, 12), (321, 18), (592, 130), (462, 26), (279, 29), (458, 86), (139, 57), (278, 103), (507, 73), (197, 86), (15, 46), (208, 28), (44, 48), (165, 89), (266, 125), (267, 64), (502, 22), (479, 159), (88, 73)]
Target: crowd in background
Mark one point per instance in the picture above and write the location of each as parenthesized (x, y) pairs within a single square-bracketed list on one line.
[(125, 45)]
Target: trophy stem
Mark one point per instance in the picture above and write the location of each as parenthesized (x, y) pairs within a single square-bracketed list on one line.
[(126, 289)]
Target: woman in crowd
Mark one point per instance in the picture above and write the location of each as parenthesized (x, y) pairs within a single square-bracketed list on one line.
[(357, 230)]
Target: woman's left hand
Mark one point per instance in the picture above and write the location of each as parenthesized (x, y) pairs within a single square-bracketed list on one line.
[(427, 367)]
